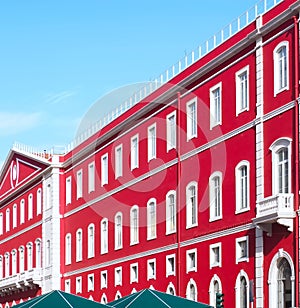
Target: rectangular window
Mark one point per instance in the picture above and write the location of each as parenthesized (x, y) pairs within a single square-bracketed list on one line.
[(103, 279), (118, 161), (134, 272), (215, 255), (104, 169), (191, 260), (216, 105), (134, 157), (1, 224), (171, 131), (191, 112), (170, 265), (242, 90), (79, 184), (151, 269), (22, 211), (90, 286), (78, 285), (118, 276), (91, 177), (68, 286), (152, 142), (242, 250), (68, 190)]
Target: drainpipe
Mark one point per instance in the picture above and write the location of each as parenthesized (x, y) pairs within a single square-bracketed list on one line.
[(296, 89), (178, 196)]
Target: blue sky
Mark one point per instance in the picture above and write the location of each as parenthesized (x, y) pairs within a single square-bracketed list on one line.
[(59, 57)]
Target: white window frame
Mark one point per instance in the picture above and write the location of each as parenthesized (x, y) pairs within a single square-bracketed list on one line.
[(103, 279), (68, 285), (7, 220), (238, 255), (118, 276), (171, 213), (151, 219), (91, 177), (134, 227), (239, 90), (134, 152), (212, 197), (277, 146), (22, 211), (15, 216), (104, 169), (79, 241), (90, 283), (30, 206), (240, 185), (91, 240), (188, 288), (212, 261), (169, 270), (1, 223), (151, 271), (276, 58), (118, 161), (78, 285), (68, 249), (134, 272), (14, 262), (171, 130), (38, 253), (29, 247), (68, 190), (118, 231), (152, 141), (104, 236), (189, 266), (39, 201), (243, 274), (215, 113), (191, 209), (21, 259), (191, 120), (79, 182)]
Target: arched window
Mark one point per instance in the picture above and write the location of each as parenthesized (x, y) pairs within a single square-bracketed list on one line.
[(30, 206), (281, 165), (79, 245), (22, 211), (242, 186), (191, 205), (134, 225), (118, 295), (91, 241), (284, 285), (214, 288), (7, 220), (118, 231), (15, 216), (38, 253), (104, 235), (215, 196), (281, 67), (39, 201), (103, 299), (48, 253), (151, 219), (21, 259), (242, 289), (191, 290), (14, 262), (7, 264), (29, 247), (171, 289), (68, 249), (170, 212)]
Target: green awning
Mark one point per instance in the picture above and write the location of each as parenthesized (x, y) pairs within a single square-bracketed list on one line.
[(150, 298), (59, 299)]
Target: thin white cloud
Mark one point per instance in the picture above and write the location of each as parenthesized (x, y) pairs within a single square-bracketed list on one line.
[(57, 98), (15, 122)]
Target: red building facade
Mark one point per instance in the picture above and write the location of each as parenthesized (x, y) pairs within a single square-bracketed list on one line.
[(191, 189)]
